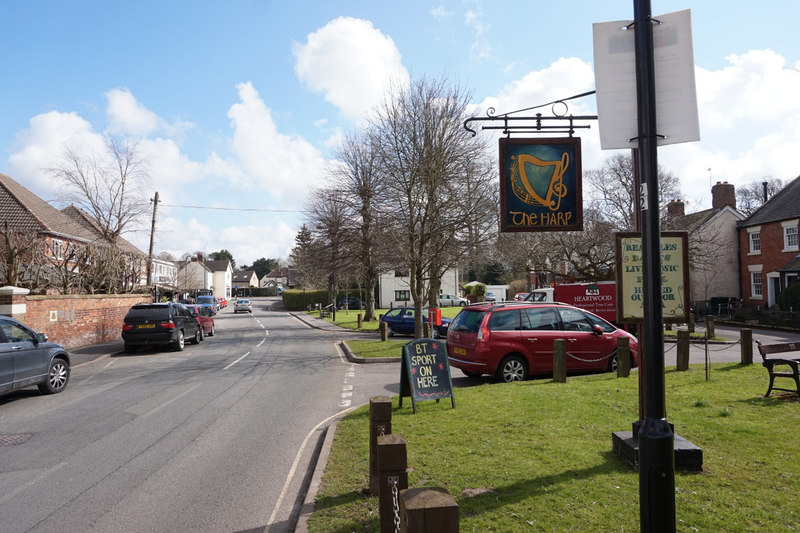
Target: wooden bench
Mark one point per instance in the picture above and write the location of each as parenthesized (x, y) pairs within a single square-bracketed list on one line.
[(324, 313), (771, 362)]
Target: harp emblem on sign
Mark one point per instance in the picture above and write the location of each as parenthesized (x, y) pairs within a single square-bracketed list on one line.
[(537, 182)]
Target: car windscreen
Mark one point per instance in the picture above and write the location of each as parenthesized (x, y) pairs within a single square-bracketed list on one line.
[(152, 312), (467, 320), (205, 300)]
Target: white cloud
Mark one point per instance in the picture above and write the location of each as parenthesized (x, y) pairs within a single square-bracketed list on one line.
[(351, 63), (280, 165), (127, 116)]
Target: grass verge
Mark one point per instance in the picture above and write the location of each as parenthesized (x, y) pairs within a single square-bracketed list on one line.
[(536, 455), (349, 319)]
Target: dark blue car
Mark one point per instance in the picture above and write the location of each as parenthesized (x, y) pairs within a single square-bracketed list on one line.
[(351, 302), (400, 321)]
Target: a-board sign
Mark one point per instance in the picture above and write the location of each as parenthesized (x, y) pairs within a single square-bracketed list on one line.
[(425, 372)]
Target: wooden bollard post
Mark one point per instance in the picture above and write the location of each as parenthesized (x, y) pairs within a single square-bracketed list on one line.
[(426, 330), (623, 357), (392, 475), (683, 350), (360, 318), (380, 423), (560, 361), (384, 331), (710, 326), (747, 346), (428, 510)]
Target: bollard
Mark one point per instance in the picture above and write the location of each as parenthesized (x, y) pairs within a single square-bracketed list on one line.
[(384, 331), (380, 423), (360, 318), (428, 510), (560, 361), (747, 346), (710, 327), (392, 477), (683, 350), (623, 357), (426, 330)]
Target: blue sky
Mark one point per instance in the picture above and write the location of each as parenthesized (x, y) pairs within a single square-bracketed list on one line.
[(238, 104)]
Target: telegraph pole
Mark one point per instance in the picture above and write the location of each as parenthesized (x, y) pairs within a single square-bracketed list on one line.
[(656, 439), (149, 268)]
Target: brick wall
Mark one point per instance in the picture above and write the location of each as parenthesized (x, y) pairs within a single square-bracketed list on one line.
[(772, 258), (73, 320)]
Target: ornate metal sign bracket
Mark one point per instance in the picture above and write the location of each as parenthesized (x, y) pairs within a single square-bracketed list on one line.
[(559, 123)]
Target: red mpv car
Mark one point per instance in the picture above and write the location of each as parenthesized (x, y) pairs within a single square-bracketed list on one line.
[(204, 318), (515, 340)]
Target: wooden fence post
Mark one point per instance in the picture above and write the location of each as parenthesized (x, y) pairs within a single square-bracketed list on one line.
[(683, 350), (392, 477), (428, 510), (747, 346), (560, 361), (623, 357), (380, 423)]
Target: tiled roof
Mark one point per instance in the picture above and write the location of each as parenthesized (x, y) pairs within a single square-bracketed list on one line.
[(90, 224), (218, 266), (243, 275), (783, 206), (27, 212)]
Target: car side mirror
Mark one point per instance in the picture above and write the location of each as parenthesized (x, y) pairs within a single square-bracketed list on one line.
[(41, 337), (597, 330)]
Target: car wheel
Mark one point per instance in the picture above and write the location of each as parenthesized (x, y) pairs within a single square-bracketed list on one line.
[(613, 364), (179, 343), (391, 332), (462, 304), (512, 368), (471, 374), (57, 377), (202, 333), (211, 333), (197, 337)]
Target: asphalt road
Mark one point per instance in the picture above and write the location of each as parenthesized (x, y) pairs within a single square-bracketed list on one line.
[(219, 437)]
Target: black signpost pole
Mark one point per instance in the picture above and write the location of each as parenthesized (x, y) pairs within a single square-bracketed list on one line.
[(656, 440)]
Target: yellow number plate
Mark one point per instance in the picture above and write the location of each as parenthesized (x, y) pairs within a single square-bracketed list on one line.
[(145, 326), (460, 351)]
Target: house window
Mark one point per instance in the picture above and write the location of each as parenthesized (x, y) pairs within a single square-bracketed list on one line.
[(790, 236), (57, 249), (755, 242), (756, 287), (791, 279), (402, 296)]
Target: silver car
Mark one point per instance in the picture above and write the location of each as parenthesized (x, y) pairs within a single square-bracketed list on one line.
[(451, 300), (243, 305)]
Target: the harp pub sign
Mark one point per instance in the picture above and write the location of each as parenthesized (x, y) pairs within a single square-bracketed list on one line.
[(540, 184)]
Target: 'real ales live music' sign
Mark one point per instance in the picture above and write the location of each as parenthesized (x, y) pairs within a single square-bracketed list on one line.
[(540, 184)]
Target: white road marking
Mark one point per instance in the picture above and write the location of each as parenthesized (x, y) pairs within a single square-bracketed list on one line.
[(242, 357), (292, 470)]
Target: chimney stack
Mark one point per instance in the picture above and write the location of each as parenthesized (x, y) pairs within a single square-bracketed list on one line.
[(722, 194), (676, 208)]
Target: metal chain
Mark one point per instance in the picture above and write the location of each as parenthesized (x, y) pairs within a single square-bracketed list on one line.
[(591, 360), (396, 508), (381, 430)]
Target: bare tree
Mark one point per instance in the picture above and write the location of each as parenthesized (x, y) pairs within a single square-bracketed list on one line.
[(356, 174), (21, 258), (109, 187), (333, 237), (614, 189), (423, 147), (752, 196)]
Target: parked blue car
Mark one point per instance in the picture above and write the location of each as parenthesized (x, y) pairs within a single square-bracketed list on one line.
[(400, 321)]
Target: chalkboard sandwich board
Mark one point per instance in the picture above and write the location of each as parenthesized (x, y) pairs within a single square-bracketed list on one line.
[(425, 372)]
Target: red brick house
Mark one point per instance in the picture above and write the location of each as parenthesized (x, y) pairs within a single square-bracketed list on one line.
[(768, 248)]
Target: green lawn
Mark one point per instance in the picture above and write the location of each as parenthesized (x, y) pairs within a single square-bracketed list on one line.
[(536, 455)]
